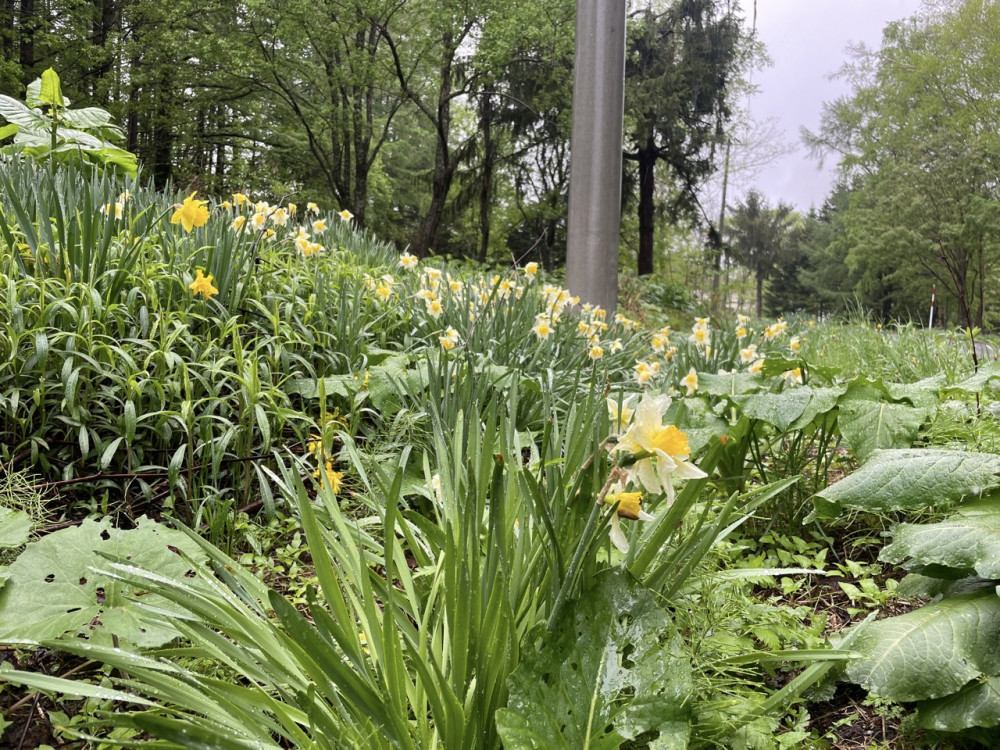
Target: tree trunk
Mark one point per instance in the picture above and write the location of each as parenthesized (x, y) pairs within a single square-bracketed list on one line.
[(8, 38), (489, 164), (647, 163), (444, 164), (717, 250), (26, 33)]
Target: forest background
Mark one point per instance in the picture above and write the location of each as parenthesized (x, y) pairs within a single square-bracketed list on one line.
[(444, 125)]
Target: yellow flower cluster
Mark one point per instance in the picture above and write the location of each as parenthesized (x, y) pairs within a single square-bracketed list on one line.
[(262, 217)]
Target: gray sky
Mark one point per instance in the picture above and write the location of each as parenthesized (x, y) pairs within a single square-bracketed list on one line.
[(807, 41)]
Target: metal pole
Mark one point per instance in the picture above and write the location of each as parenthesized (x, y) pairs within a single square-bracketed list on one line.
[(596, 158)]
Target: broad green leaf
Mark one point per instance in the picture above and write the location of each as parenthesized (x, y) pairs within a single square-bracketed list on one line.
[(86, 118), (778, 409), (730, 384), (613, 669), (870, 425), (8, 130), (902, 479), (966, 541), (922, 393), (821, 401), (986, 377), (15, 526), (53, 591), (335, 385), (930, 652), (51, 92), (975, 705), (696, 419), (19, 114)]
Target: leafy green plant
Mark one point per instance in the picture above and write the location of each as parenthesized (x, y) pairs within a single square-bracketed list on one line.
[(46, 129), (942, 655)]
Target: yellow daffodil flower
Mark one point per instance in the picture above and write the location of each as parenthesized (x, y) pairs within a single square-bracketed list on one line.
[(449, 340), (630, 507), (667, 445), (542, 328), (319, 226), (202, 284), (596, 352), (690, 381), (191, 213), (793, 377), (531, 268), (346, 215)]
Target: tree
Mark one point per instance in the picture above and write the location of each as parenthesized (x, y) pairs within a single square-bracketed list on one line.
[(918, 141), (680, 64), (758, 237)]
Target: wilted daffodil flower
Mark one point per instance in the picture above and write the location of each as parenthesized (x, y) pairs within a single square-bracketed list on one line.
[(191, 213), (666, 445), (629, 506)]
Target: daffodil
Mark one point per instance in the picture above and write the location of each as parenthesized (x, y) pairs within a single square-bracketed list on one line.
[(191, 213), (312, 208), (346, 215), (240, 199), (690, 381), (644, 372), (700, 337), (596, 352), (319, 226), (749, 354), (542, 328), (630, 507), (793, 377), (531, 268), (238, 222), (434, 308), (449, 339), (621, 415), (202, 284), (666, 445), (334, 478)]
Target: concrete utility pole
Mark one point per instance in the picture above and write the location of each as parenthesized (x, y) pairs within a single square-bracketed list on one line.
[(596, 159)]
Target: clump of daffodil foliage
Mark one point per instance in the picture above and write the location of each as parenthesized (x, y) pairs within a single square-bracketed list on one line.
[(509, 496)]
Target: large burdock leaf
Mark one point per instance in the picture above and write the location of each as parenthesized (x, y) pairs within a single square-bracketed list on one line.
[(778, 409), (905, 479), (868, 422), (614, 669), (15, 526), (975, 705), (931, 652), (967, 541), (52, 590)]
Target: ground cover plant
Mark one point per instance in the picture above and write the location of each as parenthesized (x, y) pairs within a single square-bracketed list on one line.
[(271, 483)]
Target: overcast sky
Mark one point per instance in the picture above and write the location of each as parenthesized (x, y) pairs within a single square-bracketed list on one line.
[(807, 40)]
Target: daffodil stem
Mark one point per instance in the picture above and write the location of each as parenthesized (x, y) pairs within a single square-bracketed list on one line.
[(581, 548)]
